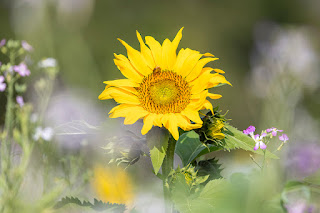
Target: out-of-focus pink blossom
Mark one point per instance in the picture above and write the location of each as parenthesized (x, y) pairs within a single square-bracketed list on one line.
[(274, 131), (283, 138), (25, 45), (20, 101), (22, 69), (2, 42), (2, 84), (249, 130)]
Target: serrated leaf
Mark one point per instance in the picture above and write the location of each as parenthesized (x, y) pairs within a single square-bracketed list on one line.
[(235, 139), (71, 200), (209, 168), (157, 141), (97, 204)]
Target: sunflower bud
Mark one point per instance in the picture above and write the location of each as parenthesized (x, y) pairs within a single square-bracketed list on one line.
[(214, 129)]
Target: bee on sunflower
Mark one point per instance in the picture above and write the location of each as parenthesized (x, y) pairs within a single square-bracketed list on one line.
[(163, 88)]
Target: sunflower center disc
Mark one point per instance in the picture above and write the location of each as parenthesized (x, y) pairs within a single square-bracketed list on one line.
[(164, 92)]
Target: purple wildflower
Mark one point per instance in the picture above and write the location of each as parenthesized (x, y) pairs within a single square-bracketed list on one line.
[(250, 130), (22, 69), (20, 101), (259, 142), (26, 46), (274, 131), (2, 84), (2, 42), (283, 138), (257, 138)]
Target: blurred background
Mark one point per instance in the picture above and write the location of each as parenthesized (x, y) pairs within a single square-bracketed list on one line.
[(269, 49)]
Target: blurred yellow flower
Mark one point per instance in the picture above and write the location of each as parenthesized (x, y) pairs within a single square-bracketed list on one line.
[(113, 184), (163, 88)]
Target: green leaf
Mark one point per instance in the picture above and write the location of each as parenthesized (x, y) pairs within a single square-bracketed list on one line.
[(97, 204), (235, 139), (203, 200), (157, 141), (71, 200), (20, 88), (209, 167), (188, 147)]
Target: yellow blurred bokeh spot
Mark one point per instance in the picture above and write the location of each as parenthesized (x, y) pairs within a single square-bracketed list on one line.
[(113, 185)]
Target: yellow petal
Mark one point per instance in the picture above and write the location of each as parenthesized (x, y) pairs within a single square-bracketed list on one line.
[(177, 39), (192, 115), (136, 59), (198, 68), (193, 126), (181, 59), (208, 54), (127, 69), (105, 95), (197, 104), (130, 89), (200, 83), (147, 123), (134, 115), (155, 48), (190, 63), (207, 105), (131, 113), (173, 126), (172, 53), (122, 82), (146, 53), (219, 71), (157, 120), (119, 95), (166, 48), (183, 121), (217, 79), (120, 107), (205, 69), (214, 96), (219, 136), (170, 122)]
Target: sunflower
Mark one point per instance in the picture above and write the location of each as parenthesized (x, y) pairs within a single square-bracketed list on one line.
[(163, 88)]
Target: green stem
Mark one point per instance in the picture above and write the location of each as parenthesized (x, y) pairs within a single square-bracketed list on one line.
[(264, 159), (45, 100), (10, 102), (167, 166), (9, 109), (9, 120)]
